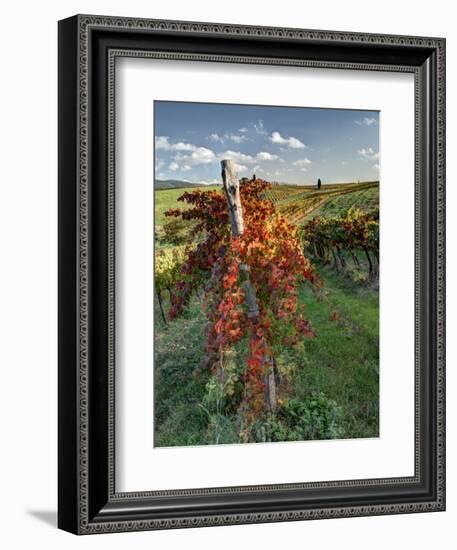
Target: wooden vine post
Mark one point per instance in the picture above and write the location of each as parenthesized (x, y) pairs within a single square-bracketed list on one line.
[(232, 193)]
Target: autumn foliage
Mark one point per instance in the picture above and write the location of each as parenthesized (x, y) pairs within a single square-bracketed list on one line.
[(270, 254)]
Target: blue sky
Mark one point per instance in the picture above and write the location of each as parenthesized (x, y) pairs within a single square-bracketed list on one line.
[(285, 144)]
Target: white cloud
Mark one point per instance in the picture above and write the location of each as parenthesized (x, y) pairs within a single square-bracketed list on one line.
[(198, 155), (303, 169), (214, 181), (375, 166), (237, 157), (241, 167), (216, 138), (302, 162), (163, 143), (180, 146), (263, 155), (202, 155), (368, 153), (236, 138), (291, 142), (295, 143), (259, 128), (367, 121), (242, 130), (277, 138)]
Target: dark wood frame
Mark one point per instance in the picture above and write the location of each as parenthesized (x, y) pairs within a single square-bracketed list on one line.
[(88, 46)]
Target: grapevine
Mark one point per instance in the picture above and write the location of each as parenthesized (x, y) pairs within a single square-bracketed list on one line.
[(357, 231), (270, 254)]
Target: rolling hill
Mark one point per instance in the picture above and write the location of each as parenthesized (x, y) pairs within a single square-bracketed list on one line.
[(173, 184), (299, 203)]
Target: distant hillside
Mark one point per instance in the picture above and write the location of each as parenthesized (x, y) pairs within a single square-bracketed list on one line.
[(299, 203), (173, 184)]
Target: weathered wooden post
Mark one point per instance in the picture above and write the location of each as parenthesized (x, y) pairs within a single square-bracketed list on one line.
[(235, 208)]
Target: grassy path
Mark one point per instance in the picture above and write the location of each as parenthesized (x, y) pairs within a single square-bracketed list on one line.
[(343, 359)]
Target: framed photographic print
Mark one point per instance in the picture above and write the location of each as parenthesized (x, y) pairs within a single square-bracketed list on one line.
[(251, 274)]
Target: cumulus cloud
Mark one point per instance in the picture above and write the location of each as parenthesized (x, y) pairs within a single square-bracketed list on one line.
[(242, 130), (216, 138), (302, 162), (263, 155), (186, 156), (368, 153), (163, 143), (238, 157), (291, 142), (202, 155), (236, 138)]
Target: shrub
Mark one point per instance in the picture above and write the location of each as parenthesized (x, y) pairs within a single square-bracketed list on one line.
[(316, 417)]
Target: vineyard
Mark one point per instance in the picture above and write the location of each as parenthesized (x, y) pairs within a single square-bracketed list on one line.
[(266, 326), (299, 204)]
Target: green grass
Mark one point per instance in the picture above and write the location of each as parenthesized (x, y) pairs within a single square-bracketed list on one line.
[(342, 361), (340, 365), (366, 200), (168, 198), (179, 419)]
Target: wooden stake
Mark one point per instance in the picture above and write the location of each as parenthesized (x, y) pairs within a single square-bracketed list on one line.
[(232, 193), (159, 299)]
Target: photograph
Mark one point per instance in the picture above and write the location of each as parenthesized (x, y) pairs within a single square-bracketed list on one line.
[(266, 273), (225, 298)]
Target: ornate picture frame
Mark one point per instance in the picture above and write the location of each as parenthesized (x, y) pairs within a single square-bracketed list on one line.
[(88, 48)]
